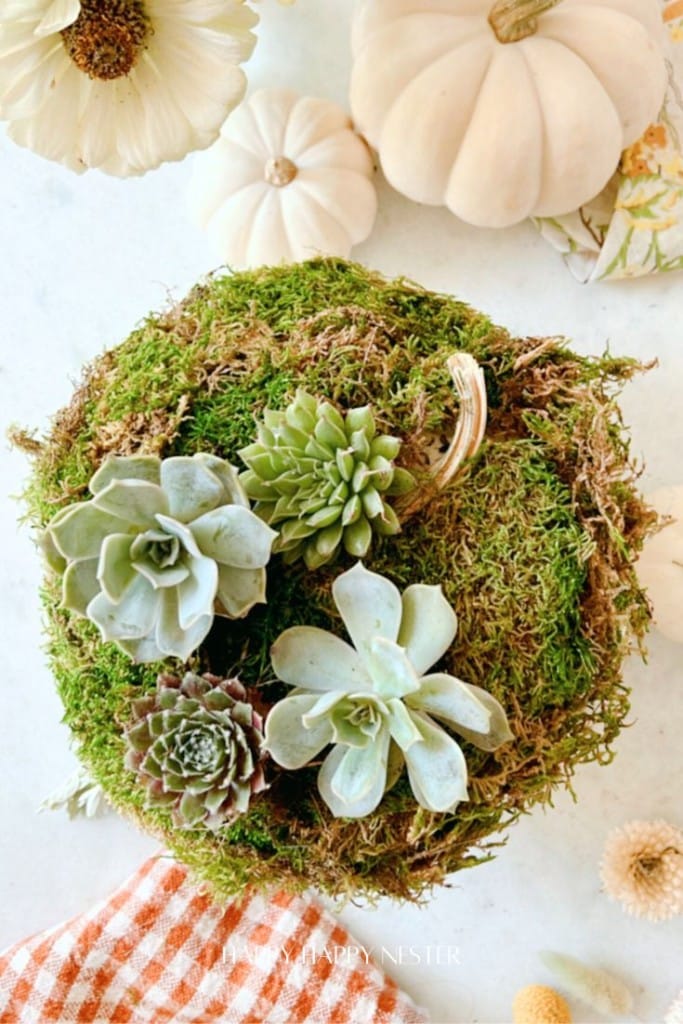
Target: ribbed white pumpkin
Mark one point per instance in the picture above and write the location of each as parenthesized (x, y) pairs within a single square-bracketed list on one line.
[(498, 131), (287, 180)]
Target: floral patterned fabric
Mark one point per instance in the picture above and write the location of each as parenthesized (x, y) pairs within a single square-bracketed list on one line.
[(635, 226)]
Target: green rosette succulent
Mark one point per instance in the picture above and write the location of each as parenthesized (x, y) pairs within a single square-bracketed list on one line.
[(375, 704), (196, 746), (160, 548), (322, 479)]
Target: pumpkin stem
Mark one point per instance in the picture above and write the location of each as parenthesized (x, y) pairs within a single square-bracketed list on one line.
[(280, 171), (512, 20), (468, 378)]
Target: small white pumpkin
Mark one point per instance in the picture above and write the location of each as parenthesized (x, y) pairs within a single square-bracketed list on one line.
[(507, 109), (288, 179), (660, 566)]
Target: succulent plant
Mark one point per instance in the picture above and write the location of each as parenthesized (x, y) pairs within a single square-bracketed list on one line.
[(160, 548), (322, 477), (373, 701), (197, 748)]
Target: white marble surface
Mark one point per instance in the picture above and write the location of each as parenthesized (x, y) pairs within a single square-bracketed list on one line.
[(83, 259)]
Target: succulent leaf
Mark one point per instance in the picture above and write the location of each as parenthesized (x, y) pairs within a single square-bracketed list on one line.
[(373, 701), (151, 554), (197, 748), (313, 464), (428, 625)]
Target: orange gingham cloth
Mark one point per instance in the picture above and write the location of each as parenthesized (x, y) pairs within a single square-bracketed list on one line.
[(160, 950)]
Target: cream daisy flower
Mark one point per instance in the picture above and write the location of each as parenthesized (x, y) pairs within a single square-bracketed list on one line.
[(121, 85)]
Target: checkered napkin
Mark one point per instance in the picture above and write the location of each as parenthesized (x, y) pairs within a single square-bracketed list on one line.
[(159, 950)]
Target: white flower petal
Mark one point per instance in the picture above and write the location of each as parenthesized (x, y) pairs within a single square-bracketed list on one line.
[(391, 672), (59, 14), (317, 660), (97, 126), (30, 78), (453, 701), (341, 808), (370, 606), (428, 625), (52, 131), (187, 83), (235, 536), (290, 743), (436, 767)]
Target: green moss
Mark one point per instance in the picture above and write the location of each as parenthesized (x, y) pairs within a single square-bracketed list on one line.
[(532, 543)]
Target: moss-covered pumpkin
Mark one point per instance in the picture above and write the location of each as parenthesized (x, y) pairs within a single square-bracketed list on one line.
[(532, 543)]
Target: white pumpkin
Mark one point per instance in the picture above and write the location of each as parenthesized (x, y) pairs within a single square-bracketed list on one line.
[(660, 567), (288, 179), (499, 131)]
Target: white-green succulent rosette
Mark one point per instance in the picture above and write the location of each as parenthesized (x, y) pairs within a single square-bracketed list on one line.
[(160, 548), (374, 702)]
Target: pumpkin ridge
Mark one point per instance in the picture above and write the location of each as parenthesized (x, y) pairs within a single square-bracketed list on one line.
[(455, 194), (417, 84), (617, 40)]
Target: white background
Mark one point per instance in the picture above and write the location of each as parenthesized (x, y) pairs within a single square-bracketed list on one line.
[(83, 259)]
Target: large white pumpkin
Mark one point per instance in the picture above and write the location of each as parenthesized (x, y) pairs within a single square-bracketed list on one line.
[(499, 131), (287, 180)]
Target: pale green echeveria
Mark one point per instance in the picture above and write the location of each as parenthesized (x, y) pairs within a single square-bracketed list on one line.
[(161, 547), (373, 701), (322, 478)]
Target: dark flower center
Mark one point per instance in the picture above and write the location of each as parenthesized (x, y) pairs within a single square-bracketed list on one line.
[(107, 37)]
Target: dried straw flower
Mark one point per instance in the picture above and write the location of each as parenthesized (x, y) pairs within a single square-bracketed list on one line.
[(121, 85), (642, 868)]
